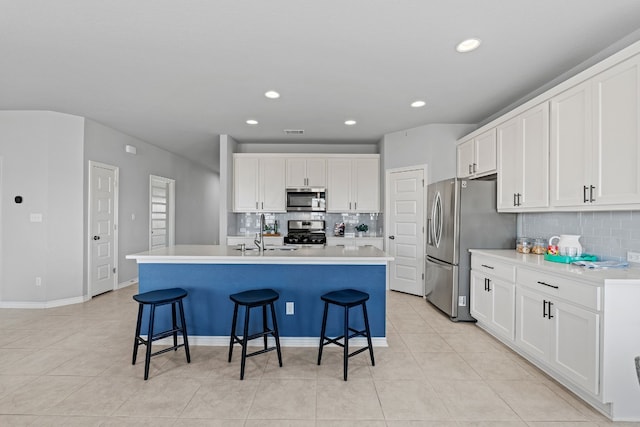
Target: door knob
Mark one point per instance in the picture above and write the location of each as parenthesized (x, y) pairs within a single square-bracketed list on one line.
[(392, 237), (96, 237)]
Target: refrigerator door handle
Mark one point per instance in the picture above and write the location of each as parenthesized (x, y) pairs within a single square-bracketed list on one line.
[(445, 265), (429, 241)]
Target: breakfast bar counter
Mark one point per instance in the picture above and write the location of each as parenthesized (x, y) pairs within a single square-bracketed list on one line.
[(210, 273)]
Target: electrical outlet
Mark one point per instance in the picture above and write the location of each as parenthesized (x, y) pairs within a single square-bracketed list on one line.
[(289, 306), (633, 257), (38, 281), (462, 301)]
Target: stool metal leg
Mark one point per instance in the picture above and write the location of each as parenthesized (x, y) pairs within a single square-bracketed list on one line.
[(264, 325), (276, 334), (136, 340), (244, 342), (366, 327), (346, 341), (174, 325), (184, 331), (147, 359), (322, 331), (233, 330)]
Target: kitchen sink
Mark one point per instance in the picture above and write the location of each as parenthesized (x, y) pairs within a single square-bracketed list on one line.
[(271, 248)]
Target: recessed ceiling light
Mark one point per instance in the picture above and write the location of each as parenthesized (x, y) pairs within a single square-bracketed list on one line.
[(468, 45), (350, 122), (272, 94), (418, 104), (252, 122)]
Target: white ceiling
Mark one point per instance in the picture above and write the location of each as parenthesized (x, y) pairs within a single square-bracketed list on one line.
[(177, 73)]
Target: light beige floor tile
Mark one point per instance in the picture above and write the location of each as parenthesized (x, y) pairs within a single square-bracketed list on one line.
[(17, 420), (426, 343), (410, 400), (99, 396), (492, 424), (138, 422), (473, 401), (68, 421), (352, 399), (449, 366), (561, 424), (207, 422), (395, 366), (470, 342), (533, 401), (11, 383), (222, 399), (284, 399), (279, 423), (297, 363), (350, 423), (41, 394), (395, 342), (496, 366), (359, 366), (159, 397), (421, 423), (87, 364)]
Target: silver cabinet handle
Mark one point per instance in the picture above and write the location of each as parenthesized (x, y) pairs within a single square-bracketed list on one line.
[(474, 168), (585, 199), (591, 191), (470, 169)]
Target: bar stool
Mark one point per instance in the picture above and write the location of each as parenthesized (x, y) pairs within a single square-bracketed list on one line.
[(346, 298), (153, 299), (251, 299)]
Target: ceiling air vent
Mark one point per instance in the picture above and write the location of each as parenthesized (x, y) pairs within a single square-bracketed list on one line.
[(294, 131)]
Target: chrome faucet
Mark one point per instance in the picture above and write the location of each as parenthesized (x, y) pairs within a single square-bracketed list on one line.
[(260, 240)]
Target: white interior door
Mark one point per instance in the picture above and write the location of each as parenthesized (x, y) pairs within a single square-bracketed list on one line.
[(161, 212), (103, 238), (405, 225)]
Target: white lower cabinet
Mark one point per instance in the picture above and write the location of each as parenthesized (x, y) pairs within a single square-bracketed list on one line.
[(377, 242), (492, 296), (560, 334)]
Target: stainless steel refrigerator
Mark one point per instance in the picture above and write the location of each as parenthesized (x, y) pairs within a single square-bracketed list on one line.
[(461, 215)]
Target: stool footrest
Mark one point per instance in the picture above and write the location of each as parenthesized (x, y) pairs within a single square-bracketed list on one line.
[(164, 350)]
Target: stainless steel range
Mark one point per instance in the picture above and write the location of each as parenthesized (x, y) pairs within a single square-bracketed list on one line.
[(306, 233)]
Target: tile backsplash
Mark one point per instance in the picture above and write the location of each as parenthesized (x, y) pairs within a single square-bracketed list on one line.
[(249, 223), (607, 234)]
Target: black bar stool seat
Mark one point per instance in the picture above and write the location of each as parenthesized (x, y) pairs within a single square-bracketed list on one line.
[(173, 296), (250, 299), (346, 298)]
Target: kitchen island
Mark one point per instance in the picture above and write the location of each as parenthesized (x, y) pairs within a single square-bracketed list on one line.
[(210, 273)]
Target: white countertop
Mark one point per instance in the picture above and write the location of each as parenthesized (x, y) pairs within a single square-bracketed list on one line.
[(220, 254), (569, 270)]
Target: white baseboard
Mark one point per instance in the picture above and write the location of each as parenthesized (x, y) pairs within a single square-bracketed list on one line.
[(223, 341), (44, 304), (133, 281)]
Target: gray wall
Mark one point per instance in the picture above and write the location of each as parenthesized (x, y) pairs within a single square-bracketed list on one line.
[(45, 160), (433, 145), (43, 163), (197, 192)]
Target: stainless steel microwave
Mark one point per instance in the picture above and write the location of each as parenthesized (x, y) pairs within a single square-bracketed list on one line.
[(306, 200)]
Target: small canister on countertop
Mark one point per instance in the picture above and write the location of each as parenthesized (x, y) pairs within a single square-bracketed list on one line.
[(523, 245), (539, 246)]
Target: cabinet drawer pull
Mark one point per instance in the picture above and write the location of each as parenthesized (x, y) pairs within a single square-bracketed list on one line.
[(487, 266), (470, 169), (550, 315), (515, 203), (544, 308), (546, 284), (585, 199), (591, 191)]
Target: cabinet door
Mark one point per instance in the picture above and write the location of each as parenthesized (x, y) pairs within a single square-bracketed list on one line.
[(532, 329), (485, 153), (570, 155), (616, 141), (510, 164), (376, 243), (576, 346), (503, 314), (316, 172), (365, 190), (465, 159), (272, 184), (245, 184), (480, 298), (296, 172), (339, 185), (535, 157)]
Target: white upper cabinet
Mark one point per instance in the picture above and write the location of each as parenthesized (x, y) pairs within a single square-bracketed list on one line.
[(353, 185), (477, 157), (595, 141), (306, 172), (523, 161), (258, 184)]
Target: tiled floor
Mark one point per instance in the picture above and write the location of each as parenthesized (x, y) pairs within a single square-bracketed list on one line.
[(71, 366)]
